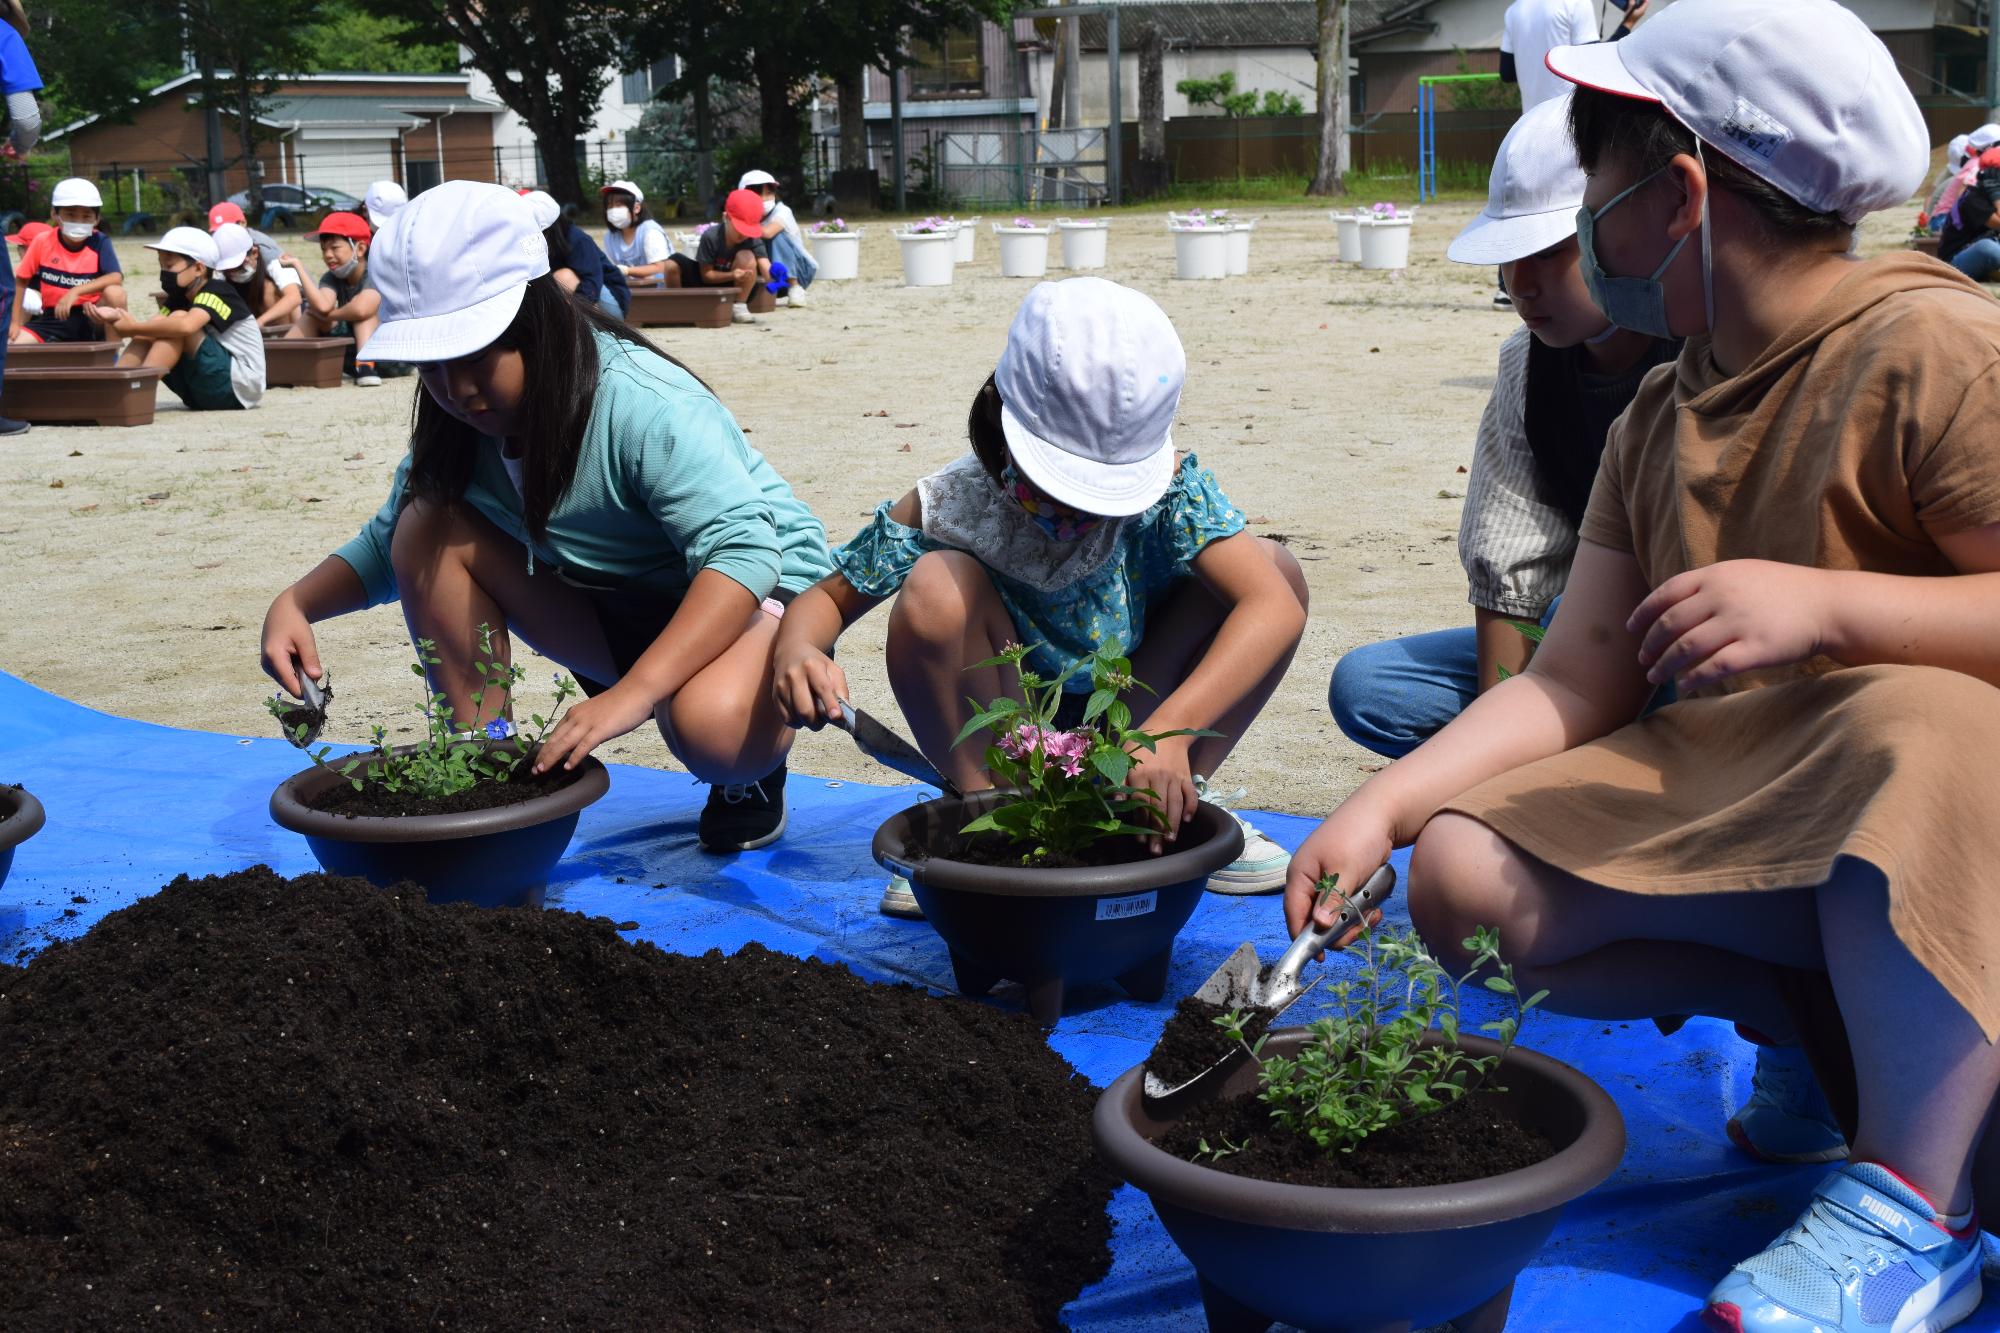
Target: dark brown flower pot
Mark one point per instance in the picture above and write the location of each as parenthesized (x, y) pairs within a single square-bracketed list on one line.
[(24, 819), (1053, 929), (1349, 1260), (500, 857)]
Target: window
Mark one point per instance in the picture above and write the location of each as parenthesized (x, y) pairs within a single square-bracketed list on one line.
[(644, 85), (638, 88), (955, 64)]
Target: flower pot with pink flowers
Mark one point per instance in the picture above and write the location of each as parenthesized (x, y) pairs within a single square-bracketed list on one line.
[(837, 247), (1048, 879), (1024, 248)]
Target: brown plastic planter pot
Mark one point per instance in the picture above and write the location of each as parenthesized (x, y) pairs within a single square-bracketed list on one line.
[(1053, 929), (47, 356), (1368, 1261), (762, 300), (103, 396), (490, 858), (24, 820), (1925, 245), (304, 363), (681, 307)]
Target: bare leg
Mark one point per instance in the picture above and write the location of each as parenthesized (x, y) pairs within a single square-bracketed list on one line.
[(114, 295), (365, 328), (947, 617), (723, 724), (745, 271), (1178, 636), (307, 324)]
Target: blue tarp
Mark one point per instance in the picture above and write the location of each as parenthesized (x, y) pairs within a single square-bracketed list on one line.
[(1638, 1254)]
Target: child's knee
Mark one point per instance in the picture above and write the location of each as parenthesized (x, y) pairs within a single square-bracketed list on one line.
[(936, 600), (114, 295), (1452, 889), (422, 530)]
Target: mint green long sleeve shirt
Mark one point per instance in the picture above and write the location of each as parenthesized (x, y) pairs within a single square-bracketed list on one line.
[(666, 486)]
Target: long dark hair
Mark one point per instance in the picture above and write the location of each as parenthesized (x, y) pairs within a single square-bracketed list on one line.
[(553, 333), (557, 238), (983, 429)]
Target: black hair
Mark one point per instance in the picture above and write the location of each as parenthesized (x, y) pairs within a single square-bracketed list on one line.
[(557, 236), (553, 333), (1606, 125), (982, 427)]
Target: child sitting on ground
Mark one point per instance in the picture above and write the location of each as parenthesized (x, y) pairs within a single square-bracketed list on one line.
[(344, 303), (71, 266), (783, 237), (273, 294), (1068, 527), (729, 254), (207, 342), (1800, 526)]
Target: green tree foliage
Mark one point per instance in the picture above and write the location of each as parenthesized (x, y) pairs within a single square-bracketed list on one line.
[(97, 55), (1485, 96), (346, 37), (1220, 93)]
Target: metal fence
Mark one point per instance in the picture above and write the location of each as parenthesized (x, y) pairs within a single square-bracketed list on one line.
[(1028, 167)]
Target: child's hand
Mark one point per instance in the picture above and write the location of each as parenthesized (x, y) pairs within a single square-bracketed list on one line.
[(591, 723), (1709, 624), (1165, 771), (67, 304), (806, 685), (1350, 843)]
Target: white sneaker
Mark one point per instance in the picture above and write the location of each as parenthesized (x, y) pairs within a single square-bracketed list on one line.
[(898, 901), (741, 314), (1262, 865), (795, 297)]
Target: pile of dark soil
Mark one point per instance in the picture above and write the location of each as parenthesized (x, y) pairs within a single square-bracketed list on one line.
[(1191, 1042), (1468, 1140), (487, 795), (247, 1102)]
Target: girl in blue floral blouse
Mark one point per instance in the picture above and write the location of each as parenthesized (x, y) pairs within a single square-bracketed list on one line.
[(1070, 527)]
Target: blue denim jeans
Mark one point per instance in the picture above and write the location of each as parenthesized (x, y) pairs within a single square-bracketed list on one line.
[(1980, 260), (802, 266), (608, 303)]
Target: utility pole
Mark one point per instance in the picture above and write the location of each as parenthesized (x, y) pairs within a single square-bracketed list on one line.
[(1992, 59), (211, 113)]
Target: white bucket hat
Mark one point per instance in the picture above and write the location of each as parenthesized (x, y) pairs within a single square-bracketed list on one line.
[(76, 192), (190, 243), (1532, 197), (232, 245), (1089, 384), (384, 198), (1798, 92), (451, 267)]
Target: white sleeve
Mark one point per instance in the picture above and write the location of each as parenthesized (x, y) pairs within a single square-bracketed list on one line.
[(1578, 25), (654, 240), (282, 276)]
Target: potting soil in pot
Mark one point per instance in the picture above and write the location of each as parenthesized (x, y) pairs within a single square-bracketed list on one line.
[(248, 1102), (487, 795), (1468, 1140)]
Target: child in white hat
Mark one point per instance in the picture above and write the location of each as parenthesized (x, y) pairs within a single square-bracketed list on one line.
[(207, 340), (633, 242), (1801, 527), (570, 481), (1069, 527), (70, 267)]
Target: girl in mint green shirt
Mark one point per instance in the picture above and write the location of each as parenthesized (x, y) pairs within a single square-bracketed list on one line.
[(570, 483)]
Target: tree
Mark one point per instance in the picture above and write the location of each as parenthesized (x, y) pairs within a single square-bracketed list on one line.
[(1330, 56), (548, 61), (1220, 93), (98, 55), (345, 37), (244, 47)]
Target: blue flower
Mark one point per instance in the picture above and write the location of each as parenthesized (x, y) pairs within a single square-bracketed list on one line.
[(499, 729)]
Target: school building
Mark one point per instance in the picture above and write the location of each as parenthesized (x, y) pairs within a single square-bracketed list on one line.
[(321, 131)]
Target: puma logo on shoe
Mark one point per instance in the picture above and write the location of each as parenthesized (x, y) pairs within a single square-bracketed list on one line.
[(1886, 1215)]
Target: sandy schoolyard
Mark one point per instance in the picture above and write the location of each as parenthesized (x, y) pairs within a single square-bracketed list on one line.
[(1337, 408)]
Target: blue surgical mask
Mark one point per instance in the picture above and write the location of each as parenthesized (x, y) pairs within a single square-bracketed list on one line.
[(1635, 303)]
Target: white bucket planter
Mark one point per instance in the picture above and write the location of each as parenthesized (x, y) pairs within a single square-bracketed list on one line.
[(839, 255), (967, 238), (927, 257), (1385, 243), (1349, 227), (1024, 251), (1083, 243), (1239, 248), (1200, 252)]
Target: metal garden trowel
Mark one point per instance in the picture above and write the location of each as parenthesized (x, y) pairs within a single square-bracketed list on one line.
[(888, 749), (1241, 983), (315, 694)]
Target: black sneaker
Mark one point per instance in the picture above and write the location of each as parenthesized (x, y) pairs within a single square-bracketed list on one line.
[(9, 426), (741, 817)]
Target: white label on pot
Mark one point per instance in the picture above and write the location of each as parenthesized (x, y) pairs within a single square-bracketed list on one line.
[(1117, 909)]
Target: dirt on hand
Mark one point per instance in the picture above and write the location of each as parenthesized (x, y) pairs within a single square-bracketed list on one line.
[(248, 1102)]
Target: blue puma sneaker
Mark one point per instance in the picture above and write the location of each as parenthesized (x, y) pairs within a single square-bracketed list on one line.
[(1787, 1118), (1868, 1255)]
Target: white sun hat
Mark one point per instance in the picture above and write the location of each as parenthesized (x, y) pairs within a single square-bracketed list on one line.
[(190, 243), (452, 267), (752, 179), (384, 198), (638, 195), (1089, 385), (1533, 194), (232, 245), (1984, 137), (1798, 92), (76, 192), (545, 208)]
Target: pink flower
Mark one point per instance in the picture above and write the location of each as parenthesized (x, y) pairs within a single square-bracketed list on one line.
[(1072, 767)]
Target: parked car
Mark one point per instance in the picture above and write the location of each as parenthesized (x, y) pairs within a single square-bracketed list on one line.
[(292, 199)]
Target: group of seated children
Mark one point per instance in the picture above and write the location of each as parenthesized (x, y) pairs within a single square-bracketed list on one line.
[(736, 252)]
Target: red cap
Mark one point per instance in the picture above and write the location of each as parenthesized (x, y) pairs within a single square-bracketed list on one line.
[(1990, 158), (29, 231), (746, 209), (351, 225), (225, 212)]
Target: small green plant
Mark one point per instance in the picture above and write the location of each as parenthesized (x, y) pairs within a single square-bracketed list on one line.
[(1369, 1066), (1070, 784), (1531, 632), (1204, 1153), (447, 760)]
